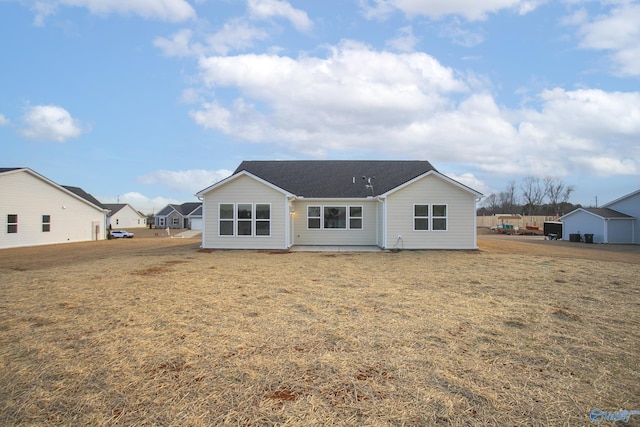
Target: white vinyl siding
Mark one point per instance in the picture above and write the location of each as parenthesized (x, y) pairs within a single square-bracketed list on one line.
[(247, 192), (458, 216), (30, 198), (306, 235), (126, 218)]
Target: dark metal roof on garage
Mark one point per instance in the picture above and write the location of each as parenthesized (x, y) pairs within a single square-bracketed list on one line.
[(337, 178)]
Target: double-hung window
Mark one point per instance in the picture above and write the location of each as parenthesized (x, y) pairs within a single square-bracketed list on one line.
[(420, 217), (263, 219), (227, 219), (313, 217), (244, 219), (334, 217), (430, 217), (439, 217), (46, 223), (12, 223)]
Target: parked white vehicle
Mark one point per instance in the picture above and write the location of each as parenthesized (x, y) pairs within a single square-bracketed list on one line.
[(120, 234)]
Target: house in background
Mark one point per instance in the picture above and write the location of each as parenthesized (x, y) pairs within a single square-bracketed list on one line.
[(36, 211), (123, 215), (614, 222), (187, 215), (389, 204)]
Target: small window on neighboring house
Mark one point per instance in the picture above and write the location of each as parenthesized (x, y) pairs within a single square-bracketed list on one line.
[(176, 222), (420, 217), (12, 223), (117, 221), (46, 223)]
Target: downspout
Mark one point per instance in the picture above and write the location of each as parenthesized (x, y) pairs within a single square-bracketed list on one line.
[(289, 221), (204, 216), (383, 200), (475, 222)]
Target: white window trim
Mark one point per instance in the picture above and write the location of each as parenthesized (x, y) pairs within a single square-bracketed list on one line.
[(445, 217), (430, 217), (414, 217), (348, 217), (46, 223), (235, 220), (12, 223)]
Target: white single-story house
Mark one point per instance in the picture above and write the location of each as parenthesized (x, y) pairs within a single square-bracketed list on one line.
[(36, 211), (389, 204), (123, 215), (187, 215), (614, 222)]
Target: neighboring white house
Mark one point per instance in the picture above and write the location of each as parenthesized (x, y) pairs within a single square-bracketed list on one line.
[(123, 215), (187, 215), (36, 211), (389, 204), (614, 222)]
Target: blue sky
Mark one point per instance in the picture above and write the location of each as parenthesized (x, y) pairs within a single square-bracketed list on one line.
[(147, 102)]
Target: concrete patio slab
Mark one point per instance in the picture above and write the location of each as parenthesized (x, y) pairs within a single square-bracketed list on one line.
[(332, 248)]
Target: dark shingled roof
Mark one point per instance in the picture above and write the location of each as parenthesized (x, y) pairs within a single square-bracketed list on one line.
[(81, 193), (114, 207), (3, 170), (334, 178), (607, 213), (183, 209)]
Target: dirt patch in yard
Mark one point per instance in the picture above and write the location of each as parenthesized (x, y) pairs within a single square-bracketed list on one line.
[(153, 331)]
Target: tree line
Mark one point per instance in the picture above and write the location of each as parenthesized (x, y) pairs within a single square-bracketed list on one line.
[(534, 196)]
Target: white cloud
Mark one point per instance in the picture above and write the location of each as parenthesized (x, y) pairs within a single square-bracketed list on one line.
[(454, 31), (235, 35), (617, 32), (409, 105), (190, 180), (163, 10), (471, 10), (179, 44), (42, 9), (405, 41), (4, 121), (50, 123), (265, 9)]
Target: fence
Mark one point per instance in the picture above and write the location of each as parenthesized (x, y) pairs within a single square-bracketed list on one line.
[(516, 220)]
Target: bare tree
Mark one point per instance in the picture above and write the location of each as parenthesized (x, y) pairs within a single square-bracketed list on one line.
[(508, 198), (557, 192), (492, 203), (532, 193)]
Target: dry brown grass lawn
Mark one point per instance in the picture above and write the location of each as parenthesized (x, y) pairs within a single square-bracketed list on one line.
[(156, 332)]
